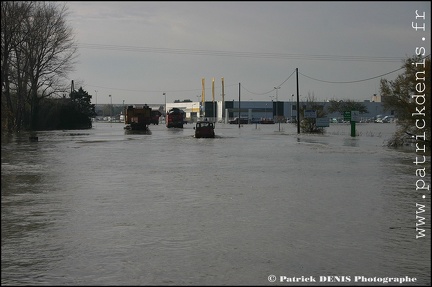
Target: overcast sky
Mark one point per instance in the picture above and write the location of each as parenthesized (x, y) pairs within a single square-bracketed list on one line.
[(136, 51)]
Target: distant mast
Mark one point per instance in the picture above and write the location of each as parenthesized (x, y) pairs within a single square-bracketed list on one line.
[(223, 99), (203, 95), (213, 97), (203, 91)]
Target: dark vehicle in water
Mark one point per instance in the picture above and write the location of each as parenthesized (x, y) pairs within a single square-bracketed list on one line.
[(137, 118), (204, 129), (242, 121), (175, 118), (266, 121), (155, 115)]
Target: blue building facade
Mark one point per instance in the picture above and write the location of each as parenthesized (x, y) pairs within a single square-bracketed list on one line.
[(279, 110)]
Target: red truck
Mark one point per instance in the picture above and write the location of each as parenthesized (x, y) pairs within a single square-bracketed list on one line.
[(174, 118)]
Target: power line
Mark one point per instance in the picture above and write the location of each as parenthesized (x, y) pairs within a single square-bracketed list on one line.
[(149, 91), (287, 78), (285, 56), (260, 94), (315, 79), (146, 91), (350, 82), (357, 81)]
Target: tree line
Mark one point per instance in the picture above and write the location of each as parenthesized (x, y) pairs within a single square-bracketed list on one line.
[(400, 95), (38, 51)]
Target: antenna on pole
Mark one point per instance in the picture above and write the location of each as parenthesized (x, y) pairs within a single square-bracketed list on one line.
[(213, 99), (239, 108), (223, 99), (298, 104)]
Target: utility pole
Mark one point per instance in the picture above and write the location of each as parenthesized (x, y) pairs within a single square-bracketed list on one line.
[(111, 110), (277, 105), (96, 104), (291, 112), (298, 104), (213, 101), (223, 100), (239, 108), (165, 104)]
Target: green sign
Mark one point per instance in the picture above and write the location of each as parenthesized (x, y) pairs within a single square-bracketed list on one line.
[(347, 116)]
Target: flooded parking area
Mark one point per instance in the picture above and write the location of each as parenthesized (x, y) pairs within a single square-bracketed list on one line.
[(107, 207)]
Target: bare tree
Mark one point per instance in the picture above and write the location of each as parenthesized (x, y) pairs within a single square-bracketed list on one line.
[(12, 16), (308, 125), (398, 95), (50, 52), (38, 58), (346, 105)]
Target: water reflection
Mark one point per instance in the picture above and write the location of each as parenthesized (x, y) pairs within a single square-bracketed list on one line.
[(352, 142), (138, 132)]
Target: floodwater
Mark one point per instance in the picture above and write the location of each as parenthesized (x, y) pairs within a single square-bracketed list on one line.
[(106, 207)]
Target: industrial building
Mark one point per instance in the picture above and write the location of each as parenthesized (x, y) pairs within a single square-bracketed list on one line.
[(284, 111)]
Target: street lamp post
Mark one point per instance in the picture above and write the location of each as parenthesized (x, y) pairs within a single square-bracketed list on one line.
[(192, 112), (165, 104), (95, 106), (111, 110), (124, 111), (272, 110), (292, 100), (277, 104), (199, 106)]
